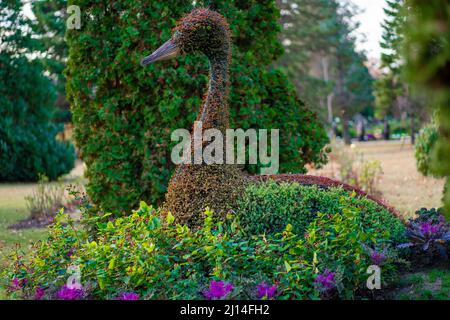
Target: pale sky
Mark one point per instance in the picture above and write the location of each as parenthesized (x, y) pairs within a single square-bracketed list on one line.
[(370, 28)]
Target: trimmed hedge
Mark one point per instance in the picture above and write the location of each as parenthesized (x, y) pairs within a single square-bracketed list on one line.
[(267, 207)]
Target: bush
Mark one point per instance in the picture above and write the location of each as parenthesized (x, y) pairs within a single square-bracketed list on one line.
[(425, 142), (369, 176), (267, 207), (28, 145), (46, 200), (144, 255), (124, 114)]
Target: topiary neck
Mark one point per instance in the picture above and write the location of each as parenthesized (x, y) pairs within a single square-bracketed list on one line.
[(214, 111)]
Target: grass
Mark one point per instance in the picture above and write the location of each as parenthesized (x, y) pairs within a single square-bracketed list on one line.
[(401, 184), (432, 285), (12, 209)]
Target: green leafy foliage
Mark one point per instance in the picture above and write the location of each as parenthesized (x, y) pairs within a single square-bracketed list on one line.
[(124, 114), (28, 145), (267, 207), (50, 25), (425, 142), (426, 69), (427, 55), (158, 259)]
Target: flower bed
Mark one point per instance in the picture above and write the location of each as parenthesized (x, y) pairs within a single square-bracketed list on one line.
[(146, 256)]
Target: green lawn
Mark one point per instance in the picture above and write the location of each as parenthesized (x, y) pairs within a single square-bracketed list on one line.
[(12, 209), (431, 285)]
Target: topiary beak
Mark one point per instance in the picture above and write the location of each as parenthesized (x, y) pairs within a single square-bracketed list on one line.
[(167, 51)]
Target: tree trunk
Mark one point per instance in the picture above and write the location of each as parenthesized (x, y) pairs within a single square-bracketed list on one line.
[(386, 130), (413, 136), (326, 78), (345, 129)]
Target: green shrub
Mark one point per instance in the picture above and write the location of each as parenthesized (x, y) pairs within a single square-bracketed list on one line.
[(427, 56), (153, 257), (369, 176), (425, 143), (267, 207), (124, 114), (28, 144)]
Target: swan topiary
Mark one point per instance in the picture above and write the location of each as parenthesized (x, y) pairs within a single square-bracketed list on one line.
[(195, 186)]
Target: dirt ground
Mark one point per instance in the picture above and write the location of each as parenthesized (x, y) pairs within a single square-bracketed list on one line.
[(401, 184)]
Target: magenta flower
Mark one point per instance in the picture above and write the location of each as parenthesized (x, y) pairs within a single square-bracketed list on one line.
[(377, 257), (218, 290), (66, 293), (15, 284), (39, 293), (429, 228), (264, 290), (325, 281), (128, 296)]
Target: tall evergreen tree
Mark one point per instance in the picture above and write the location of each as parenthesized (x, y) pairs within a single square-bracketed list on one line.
[(310, 38), (322, 60), (49, 27), (28, 145), (393, 92)]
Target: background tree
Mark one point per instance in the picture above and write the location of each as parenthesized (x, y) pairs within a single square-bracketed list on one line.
[(28, 145), (322, 60), (124, 113), (310, 37), (394, 95), (427, 55), (49, 28)]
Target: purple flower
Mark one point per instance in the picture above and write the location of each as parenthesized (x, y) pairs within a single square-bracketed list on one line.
[(264, 290), (325, 281), (66, 293), (128, 296), (15, 284), (218, 290), (429, 228), (377, 257), (39, 293)]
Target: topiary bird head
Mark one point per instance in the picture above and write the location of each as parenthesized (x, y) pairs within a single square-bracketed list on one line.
[(202, 30)]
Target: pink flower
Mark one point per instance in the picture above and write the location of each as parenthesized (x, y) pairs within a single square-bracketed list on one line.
[(128, 296), (264, 290), (15, 284), (66, 293), (39, 293), (218, 290), (377, 257)]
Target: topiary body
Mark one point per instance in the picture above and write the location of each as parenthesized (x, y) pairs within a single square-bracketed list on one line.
[(195, 186)]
